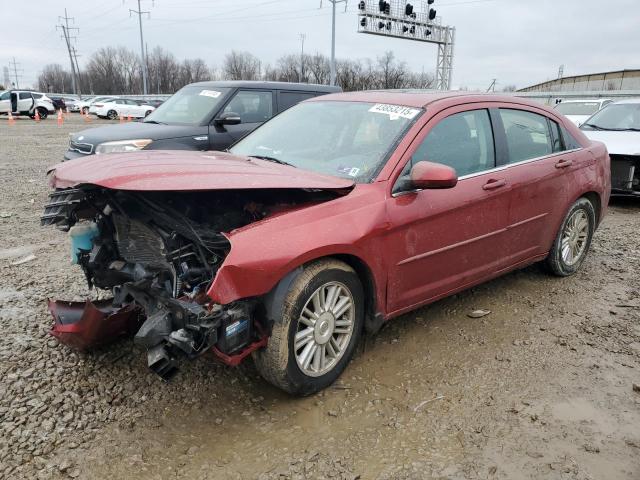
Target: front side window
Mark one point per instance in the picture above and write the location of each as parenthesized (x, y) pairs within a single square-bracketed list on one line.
[(463, 141), (252, 106), (528, 135), (344, 139)]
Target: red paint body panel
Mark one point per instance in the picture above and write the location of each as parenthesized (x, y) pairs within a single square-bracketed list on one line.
[(185, 170), (418, 246), (85, 325)]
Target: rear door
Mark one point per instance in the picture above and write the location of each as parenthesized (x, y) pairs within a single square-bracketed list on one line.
[(287, 99), (25, 102), (254, 108), (444, 240), (536, 166)]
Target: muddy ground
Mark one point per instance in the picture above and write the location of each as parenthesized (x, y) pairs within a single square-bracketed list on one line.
[(540, 388)]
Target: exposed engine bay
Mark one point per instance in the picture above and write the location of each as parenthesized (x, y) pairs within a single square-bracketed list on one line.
[(158, 253)]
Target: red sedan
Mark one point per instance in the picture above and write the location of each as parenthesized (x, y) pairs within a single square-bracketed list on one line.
[(332, 218)]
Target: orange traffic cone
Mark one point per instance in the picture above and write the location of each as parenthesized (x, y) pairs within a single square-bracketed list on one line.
[(60, 119), (121, 119), (37, 116), (129, 118), (12, 120), (87, 118)]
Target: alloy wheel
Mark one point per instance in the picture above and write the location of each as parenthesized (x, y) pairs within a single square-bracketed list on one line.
[(574, 237), (324, 329)]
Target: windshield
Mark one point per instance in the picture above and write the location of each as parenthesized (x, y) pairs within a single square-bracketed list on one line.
[(344, 139), (620, 116), (578, 108), (190, 105)]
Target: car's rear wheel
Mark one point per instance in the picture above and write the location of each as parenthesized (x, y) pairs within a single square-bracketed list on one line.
[(573, 240), (112, 115), (85, 110), (317, 329)]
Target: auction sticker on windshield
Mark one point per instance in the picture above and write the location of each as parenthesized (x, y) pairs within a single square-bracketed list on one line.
[(210, 93), (395, 111)]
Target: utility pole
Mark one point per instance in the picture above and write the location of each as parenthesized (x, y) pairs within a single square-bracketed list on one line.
[(333, 36), (15, 71), (142, 55), (492, 86), (302, 37), (65, 30)]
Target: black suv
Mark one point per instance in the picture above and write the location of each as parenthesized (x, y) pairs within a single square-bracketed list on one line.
[(200, 116)]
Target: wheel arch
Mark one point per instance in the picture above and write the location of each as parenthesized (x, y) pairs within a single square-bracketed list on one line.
[(596, 201), (274, 299)]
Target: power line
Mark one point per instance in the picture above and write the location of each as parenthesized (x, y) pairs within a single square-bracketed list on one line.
[(142, 56), (332, 80), (65, 30), (15, 71)]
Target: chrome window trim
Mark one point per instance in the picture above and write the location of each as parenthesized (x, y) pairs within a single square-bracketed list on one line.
[(495, 169)]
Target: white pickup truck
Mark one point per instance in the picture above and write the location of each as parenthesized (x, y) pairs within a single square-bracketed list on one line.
[(25, 102)]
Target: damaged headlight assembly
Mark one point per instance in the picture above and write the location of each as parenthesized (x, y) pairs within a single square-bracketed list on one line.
[(122, 146)]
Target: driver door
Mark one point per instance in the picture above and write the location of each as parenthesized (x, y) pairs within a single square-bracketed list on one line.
[(254, 107), (441, 241)]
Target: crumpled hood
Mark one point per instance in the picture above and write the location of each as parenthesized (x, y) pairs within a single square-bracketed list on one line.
[(618, 143), (131, 131), (179, 170)]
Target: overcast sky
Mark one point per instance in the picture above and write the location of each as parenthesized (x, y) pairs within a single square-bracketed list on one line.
[(518, 42)]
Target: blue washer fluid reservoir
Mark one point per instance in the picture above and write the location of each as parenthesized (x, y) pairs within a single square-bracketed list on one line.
[(82, 238)]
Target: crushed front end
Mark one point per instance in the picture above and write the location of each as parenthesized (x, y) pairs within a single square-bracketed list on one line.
[(625, 174), (158, 253)]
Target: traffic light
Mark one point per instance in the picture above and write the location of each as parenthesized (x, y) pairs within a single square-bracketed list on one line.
[(363, 22), (361, 5), (408, 10), (432, 14), (384, 7)]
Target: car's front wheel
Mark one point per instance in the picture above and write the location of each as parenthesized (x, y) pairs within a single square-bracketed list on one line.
[(573, 240), (318, 328), (112, 115)]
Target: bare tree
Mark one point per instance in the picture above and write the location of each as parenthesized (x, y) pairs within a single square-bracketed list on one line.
[(509, 88), (54, 78), (241, 66)]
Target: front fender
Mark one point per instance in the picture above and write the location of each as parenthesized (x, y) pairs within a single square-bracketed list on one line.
[(265, 252)]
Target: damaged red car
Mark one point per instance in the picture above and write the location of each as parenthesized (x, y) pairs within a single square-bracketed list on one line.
[(335, 216)]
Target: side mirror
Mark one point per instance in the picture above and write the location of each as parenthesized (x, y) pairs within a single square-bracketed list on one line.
[(228, 118), (433, 175)]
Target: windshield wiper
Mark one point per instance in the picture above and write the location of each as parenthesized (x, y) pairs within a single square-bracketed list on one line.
[(154, 121), (595, 127), (272, 159)]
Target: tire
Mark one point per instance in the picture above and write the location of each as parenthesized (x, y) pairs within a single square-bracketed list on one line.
[(44, 113), (112, 115), (574, 239), (85, 110), (281, 363)]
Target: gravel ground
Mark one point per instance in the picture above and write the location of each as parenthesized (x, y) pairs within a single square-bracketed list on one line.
[(542, 387)]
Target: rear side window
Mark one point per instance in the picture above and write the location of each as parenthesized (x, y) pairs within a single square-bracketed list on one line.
[(555, 137), (252, 106), (5, 96), (24, 95), (463, 141), (570, 141), (289, 99), (527, 133), (36, 95)]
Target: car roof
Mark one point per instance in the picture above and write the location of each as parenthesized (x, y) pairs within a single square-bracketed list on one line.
[(581, 100), (423, 98), (303, 87), (628, 100)]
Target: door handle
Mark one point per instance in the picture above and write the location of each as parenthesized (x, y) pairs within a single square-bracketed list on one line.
[(564, 163), (494, 183)]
